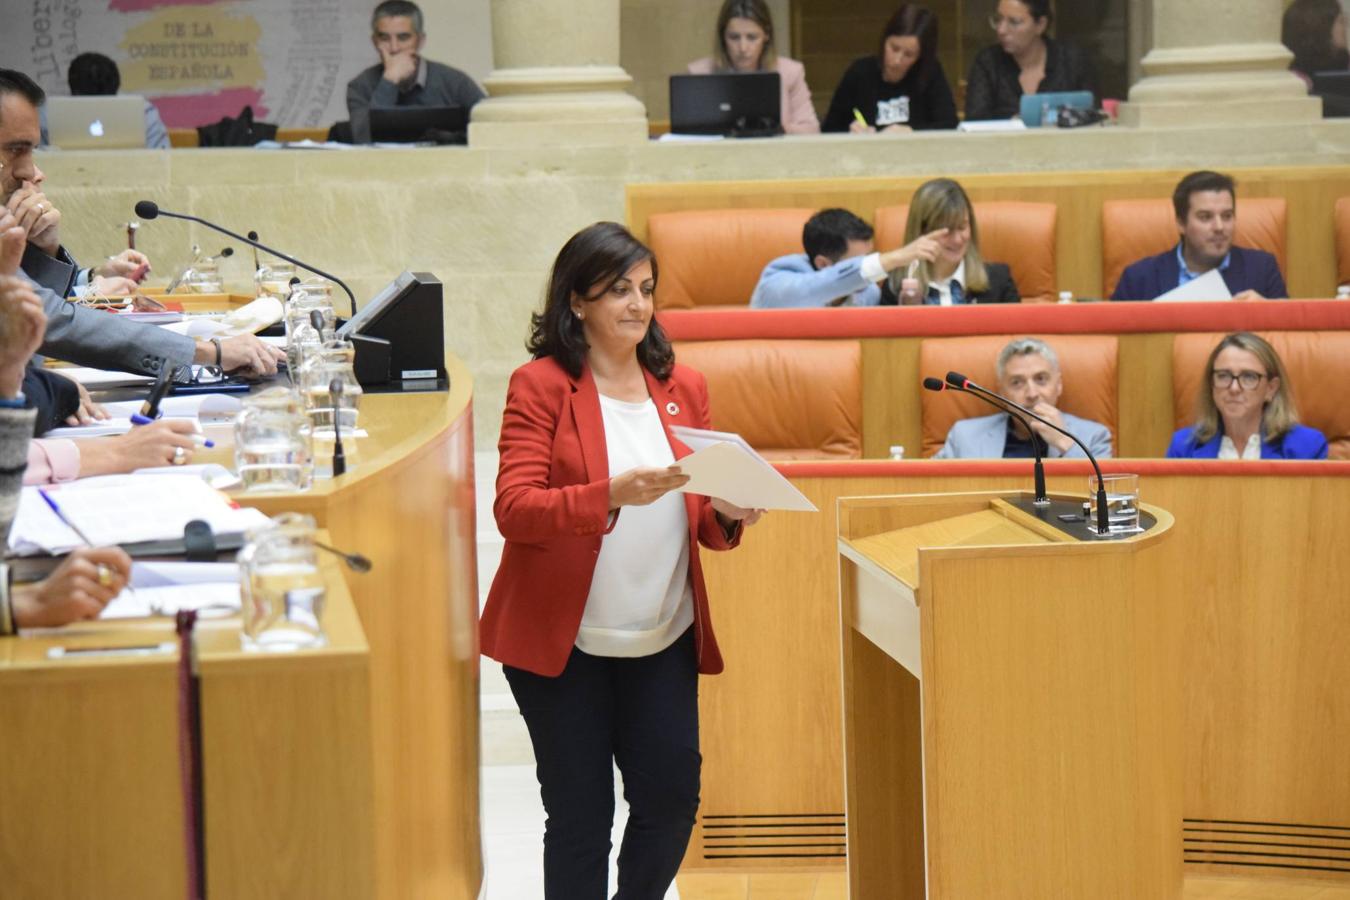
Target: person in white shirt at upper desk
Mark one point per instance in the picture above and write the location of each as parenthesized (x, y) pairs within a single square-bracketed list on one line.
[(839, 267)]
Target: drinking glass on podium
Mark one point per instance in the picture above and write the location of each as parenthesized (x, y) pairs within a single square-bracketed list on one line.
[(281, 586), (273, 442), (1122, 502)]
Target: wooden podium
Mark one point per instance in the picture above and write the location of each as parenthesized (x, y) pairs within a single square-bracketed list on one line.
[(1011, 702)]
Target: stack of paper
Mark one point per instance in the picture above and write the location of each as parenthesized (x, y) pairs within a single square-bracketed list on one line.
[(723, 465), (163, 588), (207, 409), (123, 509)]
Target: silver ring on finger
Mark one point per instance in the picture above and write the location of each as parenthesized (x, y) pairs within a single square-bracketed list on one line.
[(179, 456)]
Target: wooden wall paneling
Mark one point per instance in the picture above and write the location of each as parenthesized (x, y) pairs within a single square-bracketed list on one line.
[(890, 386)]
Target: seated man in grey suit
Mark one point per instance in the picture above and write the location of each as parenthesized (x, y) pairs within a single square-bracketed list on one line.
[(403, 77), (75, 333), (839, 267), (1028, 373)]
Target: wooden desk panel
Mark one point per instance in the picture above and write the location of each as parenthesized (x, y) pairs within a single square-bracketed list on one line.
[(1259, 574)]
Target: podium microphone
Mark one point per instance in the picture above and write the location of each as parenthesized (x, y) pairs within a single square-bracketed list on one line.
[(148, 209), (961, 382), (936, 384)]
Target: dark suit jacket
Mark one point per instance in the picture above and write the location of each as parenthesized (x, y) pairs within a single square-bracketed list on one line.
[(1247, 269), (1002, 288), (553, 509)]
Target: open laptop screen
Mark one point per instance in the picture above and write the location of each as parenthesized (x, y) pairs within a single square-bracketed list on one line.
[(114, 121), (408, 124), (727, 103)]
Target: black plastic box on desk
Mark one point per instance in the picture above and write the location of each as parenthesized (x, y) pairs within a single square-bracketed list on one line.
[(399, 336)]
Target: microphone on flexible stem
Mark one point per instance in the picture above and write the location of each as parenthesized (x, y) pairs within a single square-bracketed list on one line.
[(253, 236), (148, 209), (961, 382), (935, 384), (355, 561), (335, 397)]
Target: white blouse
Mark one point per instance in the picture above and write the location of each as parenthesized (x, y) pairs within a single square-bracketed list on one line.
[(641, 599)]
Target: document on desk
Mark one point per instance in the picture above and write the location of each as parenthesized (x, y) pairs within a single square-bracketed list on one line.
[(1209, 286), (123, 509), (164, 588), (102, 379), (207, 409), (723, 465)]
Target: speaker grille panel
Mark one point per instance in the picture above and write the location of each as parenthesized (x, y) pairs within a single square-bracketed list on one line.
[(754, 836), (1266, 845)]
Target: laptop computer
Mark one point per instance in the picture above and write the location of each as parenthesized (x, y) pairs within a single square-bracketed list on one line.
[(92, 123), (413, 124), (1043, 109), (738, 104)]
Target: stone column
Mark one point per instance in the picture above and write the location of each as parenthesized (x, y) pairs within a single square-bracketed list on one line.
[(1217, 62), (557, 78)]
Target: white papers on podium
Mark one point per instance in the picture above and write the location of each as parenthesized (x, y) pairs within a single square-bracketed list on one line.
[(723, 465), (163, 588), (1209, 286), (123, 509), (207, 409)]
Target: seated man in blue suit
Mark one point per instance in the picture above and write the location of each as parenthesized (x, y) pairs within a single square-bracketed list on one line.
[(1028, 373), (839, 267), (1206, 208)]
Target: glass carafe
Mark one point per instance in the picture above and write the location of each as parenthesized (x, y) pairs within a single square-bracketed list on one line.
[(332, 362), (281, 586), (273, 442)]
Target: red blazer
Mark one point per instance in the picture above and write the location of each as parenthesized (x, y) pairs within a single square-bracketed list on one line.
[(553, 509)]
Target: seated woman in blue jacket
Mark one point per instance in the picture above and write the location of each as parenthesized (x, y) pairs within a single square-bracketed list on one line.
[(1248, 411)]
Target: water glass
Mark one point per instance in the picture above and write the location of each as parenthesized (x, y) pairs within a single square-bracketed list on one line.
[(1122, 503), (274, 280), (281, 586), (273, 442), (333, 362), (301, 335)]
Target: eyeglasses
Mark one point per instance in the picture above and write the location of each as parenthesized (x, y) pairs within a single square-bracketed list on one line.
[(1248, 380), (1011, 21)]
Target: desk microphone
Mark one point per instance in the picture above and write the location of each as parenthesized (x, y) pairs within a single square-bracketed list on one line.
[(961, 382), (335, 397), (148, 209), (936, 384)]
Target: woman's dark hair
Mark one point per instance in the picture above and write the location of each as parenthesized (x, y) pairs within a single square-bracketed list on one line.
[(756, 11), (1040, 9), (93, 75), (1306, 31), (912, 20), (587, 266)]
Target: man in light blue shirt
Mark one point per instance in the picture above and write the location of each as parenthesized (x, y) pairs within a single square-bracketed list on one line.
[(839, 267), (1028, 374)]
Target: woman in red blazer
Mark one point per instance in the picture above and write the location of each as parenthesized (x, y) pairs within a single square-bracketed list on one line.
[(598, 611)]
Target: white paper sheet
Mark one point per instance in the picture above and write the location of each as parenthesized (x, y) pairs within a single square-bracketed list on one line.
[(247, 319), (207, 409), (123, 509), (100, 379), (1209, 286), (723, 465), (994, 125)]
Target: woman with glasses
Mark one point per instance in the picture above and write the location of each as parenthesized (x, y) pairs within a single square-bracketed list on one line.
[(901, 87), (1248, 410), (1024, 61)]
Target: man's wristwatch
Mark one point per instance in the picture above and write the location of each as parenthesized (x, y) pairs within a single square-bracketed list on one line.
[(216, 341)]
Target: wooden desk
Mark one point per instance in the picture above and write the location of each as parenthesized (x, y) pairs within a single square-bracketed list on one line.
[(1010, 713), (1259, 572), (407, 502), (92, 805)]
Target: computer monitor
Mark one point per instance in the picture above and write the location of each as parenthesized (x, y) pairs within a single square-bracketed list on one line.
[(1043, 109), (730, 103), (111, 122), (405, 327), (413, 124)]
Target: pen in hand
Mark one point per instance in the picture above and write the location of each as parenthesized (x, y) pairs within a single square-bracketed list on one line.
[(104, 573)]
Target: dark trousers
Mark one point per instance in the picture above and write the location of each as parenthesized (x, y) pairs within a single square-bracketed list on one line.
[(642, 714)]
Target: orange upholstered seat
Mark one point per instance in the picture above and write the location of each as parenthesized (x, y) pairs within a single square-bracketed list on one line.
[(1318, 364), (1022, 235), (789, 399), (1134, 229), (1087, 362), (714, 257)]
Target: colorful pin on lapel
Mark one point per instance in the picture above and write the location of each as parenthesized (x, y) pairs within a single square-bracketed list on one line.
[(673, 408)]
